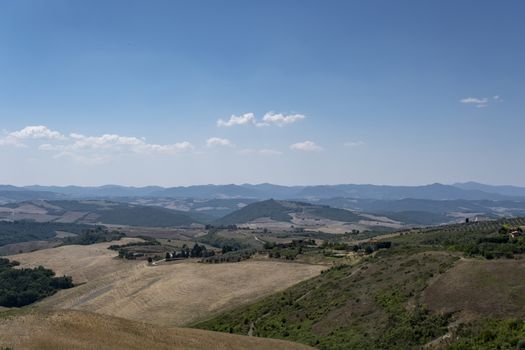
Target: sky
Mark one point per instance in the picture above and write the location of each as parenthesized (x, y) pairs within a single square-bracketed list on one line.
[(292, 92)]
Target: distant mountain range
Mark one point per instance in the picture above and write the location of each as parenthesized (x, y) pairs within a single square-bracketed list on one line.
[(162, 212), (504, 190), (466, 191)]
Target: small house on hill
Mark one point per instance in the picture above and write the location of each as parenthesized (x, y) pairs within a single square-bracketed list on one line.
[(515, 234)]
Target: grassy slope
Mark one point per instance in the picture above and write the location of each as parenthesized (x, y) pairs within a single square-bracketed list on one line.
[(361, 307), (82, 330), (382, 302)]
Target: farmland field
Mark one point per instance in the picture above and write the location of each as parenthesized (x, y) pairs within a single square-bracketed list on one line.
[(83, 263), (165, 294), (84, 330)]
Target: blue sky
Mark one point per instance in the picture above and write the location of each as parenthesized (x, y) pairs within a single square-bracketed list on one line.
[(385, 92)]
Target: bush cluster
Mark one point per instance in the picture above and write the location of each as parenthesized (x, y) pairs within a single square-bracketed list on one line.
[(20, 287)]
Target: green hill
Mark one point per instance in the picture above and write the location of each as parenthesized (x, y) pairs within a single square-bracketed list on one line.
[(281, 210), (271, 209), (145, 216), (25, 231), (349, 307), (107, 212), (452, 280)]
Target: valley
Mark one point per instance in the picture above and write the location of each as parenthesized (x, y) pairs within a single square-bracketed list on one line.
[(294, 271), (262, 175)]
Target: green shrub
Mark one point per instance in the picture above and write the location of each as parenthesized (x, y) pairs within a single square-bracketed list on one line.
[(20, 287)]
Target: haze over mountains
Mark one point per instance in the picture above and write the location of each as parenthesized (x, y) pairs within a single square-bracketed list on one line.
[(466, 191), (240, 204)]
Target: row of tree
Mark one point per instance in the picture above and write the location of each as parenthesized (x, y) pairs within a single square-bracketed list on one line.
[(198, 251)]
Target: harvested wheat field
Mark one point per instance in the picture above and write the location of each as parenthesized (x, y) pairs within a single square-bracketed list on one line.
[(83, 330), (167, 294), (82, 262), (480, 288)]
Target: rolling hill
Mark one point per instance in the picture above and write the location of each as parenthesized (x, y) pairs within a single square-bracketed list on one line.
[(61, 330), (450, 287), (167, 294), (100, 211), (283, 211)]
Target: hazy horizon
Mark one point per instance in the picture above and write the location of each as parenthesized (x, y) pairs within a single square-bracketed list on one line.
[(254, 184)]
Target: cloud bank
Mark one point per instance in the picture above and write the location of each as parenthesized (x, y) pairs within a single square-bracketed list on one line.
[(306, 146)]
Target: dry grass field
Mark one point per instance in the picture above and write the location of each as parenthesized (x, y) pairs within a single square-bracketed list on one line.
[(166, 294), (83, 331), (83, 263), (480, 288)]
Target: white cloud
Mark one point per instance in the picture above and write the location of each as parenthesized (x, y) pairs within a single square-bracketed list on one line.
[(268, 119), (280, 119), (37, 132), (124, 143), (474, 100), (353, 143), (262, 152), (245, 119), (87, 149), (217, 141), (166, 149), (481, 102), (32, 132), (306, 146), (104, 141)]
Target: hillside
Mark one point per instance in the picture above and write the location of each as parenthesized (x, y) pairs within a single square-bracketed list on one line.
[(25, 231), (417, 217), (272, 209), (171, 294), (349, 307), (285, 211), (431, 212), (99, 211), (447, 286), (504, 190), (64, 330)]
